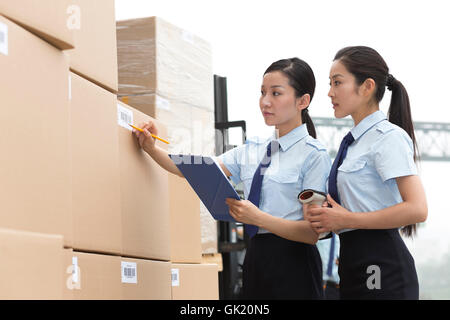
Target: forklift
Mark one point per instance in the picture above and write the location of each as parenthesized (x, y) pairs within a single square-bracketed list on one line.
[(232, 239)]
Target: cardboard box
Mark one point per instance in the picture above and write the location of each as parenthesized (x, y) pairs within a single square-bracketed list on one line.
[(95, 53), (184, 206), (145, 279), (92, 276), (144, 193), (34, 130), (155, 56), (153, 216), (190, 128), (190, 131), (31, 265), (51, 20), (69, 274), (97, 219), (208, 231), (213, 258), (195, 282)]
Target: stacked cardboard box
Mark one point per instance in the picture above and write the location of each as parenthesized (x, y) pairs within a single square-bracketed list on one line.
[(47, 19), (96, 276), (35, 164), (95, 53), (95, 168), (31, 265), (144, 195), (157, 57), (195, 281), (166, 72), (131, 220), (96, 202), (37, 171), (89, 276), (74, 177)]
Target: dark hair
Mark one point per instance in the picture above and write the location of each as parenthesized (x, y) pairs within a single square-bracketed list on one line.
[(364, 62), (301, 78)]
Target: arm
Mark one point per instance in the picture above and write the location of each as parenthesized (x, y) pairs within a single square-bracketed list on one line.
[(161, 156), (300, 230), (246, 212), (412, 210), (396, 162), (147, 143)]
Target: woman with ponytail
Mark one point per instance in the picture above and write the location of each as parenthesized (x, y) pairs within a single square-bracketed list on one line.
[(282, 261), (374, 189)]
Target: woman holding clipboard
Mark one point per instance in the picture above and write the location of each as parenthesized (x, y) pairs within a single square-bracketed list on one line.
[(282, 261)]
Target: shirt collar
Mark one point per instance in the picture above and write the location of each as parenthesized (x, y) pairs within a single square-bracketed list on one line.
[(367, 123), (291, 137)]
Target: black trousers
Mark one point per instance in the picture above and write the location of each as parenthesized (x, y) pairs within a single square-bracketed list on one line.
[(376, 264), (331, 290), (276, 268)]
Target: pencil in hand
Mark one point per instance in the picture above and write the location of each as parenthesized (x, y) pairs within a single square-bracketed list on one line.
[(156, 137)]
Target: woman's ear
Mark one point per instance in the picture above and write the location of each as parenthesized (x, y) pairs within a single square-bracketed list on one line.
[(303, 101), (368, 87)]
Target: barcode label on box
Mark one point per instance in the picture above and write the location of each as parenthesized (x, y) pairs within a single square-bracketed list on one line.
[(175, 277), (3, 39), (124, 117), (129, 272)]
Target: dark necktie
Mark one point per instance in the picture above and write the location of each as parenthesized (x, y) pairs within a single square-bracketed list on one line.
[(332, 185), (255, 189), (331, 257)]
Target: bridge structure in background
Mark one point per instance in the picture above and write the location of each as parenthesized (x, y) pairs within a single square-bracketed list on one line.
[(433, 138)]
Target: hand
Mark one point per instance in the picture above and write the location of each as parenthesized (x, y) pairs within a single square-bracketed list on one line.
[(243, 211), (307, 207), (325, 219), (145, 139)]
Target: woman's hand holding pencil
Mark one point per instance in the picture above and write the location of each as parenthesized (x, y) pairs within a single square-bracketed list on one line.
[(146, 134)]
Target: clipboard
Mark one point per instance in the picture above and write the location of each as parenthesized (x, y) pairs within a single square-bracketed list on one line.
[(209, 182)]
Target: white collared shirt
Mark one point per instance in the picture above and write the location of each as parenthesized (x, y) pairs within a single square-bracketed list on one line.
[(380, 153), (301, 163)]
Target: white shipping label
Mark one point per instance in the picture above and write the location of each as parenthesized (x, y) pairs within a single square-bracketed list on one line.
[(129, 272), (162, 103), (3, 39), (175, 277), (124, 117)]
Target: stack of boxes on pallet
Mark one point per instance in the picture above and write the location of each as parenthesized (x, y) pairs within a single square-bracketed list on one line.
[(85, 213), (166, 73)]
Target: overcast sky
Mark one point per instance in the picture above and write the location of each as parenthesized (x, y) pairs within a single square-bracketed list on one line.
[(247, 36)]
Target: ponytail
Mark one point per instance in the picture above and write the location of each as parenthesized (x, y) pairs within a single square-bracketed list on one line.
[(399, 113), (309, 123)]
